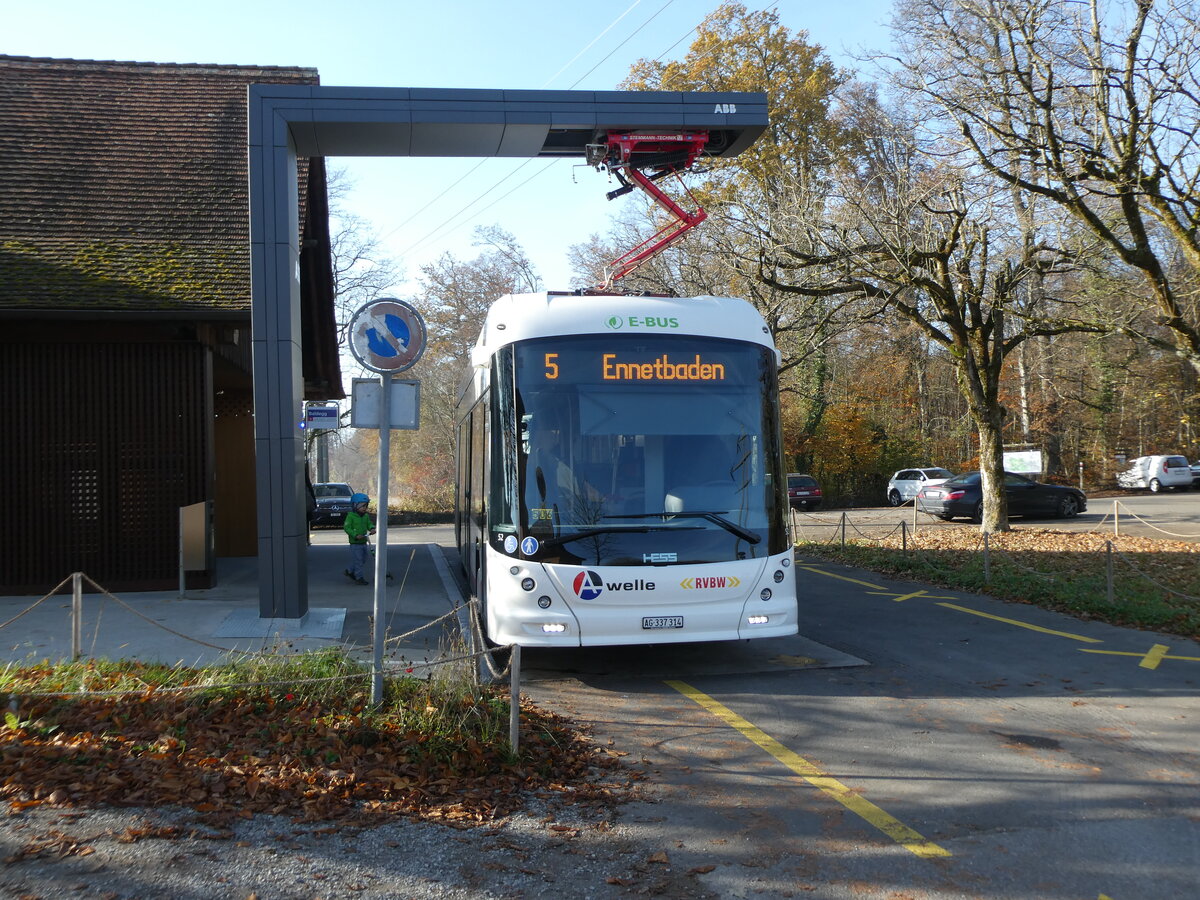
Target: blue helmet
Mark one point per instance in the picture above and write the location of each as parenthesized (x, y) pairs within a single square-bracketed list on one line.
[(356, 499)]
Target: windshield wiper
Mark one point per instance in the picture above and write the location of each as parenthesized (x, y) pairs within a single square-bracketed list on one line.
[(715, 517), (609, 529)]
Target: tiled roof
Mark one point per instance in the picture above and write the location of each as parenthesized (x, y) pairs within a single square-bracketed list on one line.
[(123, 184)]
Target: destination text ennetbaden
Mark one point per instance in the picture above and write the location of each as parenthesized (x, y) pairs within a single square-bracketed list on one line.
[(661, 369)]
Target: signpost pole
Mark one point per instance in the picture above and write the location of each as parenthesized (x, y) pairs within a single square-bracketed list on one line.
[(386, 336), (381, 530)]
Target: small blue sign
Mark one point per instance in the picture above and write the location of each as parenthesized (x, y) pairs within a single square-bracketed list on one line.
[(510, 544), (529, 546)]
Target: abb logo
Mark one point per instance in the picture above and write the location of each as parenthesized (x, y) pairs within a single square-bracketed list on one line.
[(725, 108)]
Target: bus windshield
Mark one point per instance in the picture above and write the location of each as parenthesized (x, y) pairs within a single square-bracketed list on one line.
[(644, 449)]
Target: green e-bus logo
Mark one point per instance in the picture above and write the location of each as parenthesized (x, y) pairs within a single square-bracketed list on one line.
[(616, 322)]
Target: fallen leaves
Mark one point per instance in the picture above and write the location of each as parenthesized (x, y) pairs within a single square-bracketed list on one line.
[(229, 756)]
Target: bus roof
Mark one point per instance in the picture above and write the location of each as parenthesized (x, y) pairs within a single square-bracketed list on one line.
[(517, 317)]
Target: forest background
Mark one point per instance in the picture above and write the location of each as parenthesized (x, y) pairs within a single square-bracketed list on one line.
[(988, 239)]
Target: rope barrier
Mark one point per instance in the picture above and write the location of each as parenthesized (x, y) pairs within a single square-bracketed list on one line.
[(1162, 587), (1012, 559), (481, 641), (37, 603), (932, 566), (104, 592), (1151, 524), (221, 685), (858, 530)]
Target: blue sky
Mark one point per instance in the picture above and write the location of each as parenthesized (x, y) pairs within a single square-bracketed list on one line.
[(453, 43)]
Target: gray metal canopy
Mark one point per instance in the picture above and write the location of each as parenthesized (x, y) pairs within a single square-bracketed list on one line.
[(286, 121)]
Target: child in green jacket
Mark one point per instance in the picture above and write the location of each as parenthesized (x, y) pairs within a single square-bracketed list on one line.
[(358, 526)]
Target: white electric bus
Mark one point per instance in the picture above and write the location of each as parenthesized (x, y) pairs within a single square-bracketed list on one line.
[(620, 473)]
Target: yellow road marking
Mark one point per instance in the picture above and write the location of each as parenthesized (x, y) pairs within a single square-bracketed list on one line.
[(874, 587), (1066, 634), (866, 810), (1150, 659), (1154, 656), (900, 598)]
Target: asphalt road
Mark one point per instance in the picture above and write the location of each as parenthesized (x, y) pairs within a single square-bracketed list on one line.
[(913, 742)]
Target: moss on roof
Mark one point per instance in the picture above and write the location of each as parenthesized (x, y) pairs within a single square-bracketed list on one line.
[(124, 185)]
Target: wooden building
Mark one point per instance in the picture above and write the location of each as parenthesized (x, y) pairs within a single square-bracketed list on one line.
[(125, 315)]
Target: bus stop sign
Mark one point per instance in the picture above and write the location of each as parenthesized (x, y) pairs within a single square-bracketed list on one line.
[(387, 336)]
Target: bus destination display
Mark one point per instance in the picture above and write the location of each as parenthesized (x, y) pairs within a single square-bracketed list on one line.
[(619, 367)]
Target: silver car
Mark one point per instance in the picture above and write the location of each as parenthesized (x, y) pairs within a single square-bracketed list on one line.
[(907, 483)]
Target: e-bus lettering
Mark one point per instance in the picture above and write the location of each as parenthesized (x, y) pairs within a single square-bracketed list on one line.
[(653, 322), (662, 369)]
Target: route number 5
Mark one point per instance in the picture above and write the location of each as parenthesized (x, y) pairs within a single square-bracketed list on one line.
[(551, 366)]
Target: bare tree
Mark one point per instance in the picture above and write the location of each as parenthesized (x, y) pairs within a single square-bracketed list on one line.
[(967, 263), (453, 295), (1092, 106), (362, 271)]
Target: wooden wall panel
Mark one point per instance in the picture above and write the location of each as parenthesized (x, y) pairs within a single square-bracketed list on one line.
[(105, 443)]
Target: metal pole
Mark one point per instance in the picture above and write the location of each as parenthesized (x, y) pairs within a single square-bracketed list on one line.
[(77, 614), (323, 456), (903, 536), (843, 529), (987, 561), (1116, 521), (1108, 547), (514, 701), (182, 582), (381, 530)]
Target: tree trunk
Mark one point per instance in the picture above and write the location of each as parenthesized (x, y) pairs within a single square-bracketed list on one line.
[(991, 466)]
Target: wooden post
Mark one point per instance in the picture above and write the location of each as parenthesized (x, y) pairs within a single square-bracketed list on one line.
[(76, 615), (1109, 553), (514, 702)]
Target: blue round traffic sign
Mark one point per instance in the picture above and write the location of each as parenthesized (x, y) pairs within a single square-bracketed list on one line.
[(387, 335)]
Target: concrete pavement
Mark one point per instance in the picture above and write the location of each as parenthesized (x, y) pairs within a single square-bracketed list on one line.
[(200, 628)]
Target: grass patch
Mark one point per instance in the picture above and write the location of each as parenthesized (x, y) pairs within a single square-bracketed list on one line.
[(291, 735), (1155, 582)]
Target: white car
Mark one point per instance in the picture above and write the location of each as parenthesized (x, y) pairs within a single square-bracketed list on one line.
[(1156, 473), (907, 483)]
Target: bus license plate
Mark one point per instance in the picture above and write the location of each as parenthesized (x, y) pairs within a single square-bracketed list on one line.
[(662, 621)]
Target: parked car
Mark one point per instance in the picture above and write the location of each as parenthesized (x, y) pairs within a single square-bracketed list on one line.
[(1156, 473), (962, 497), (333, 502), (803, 492), (1196, 475), (907, 483)]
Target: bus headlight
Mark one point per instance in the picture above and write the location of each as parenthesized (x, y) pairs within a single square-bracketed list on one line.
[(757, 620), (553, 628), (544, 602), (778, 575), (528, 584), (765, 594)]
